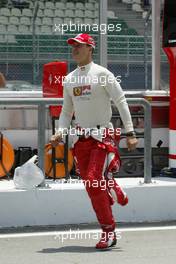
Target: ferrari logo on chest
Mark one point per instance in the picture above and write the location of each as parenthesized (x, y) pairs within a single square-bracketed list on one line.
[(77, 91), (82, 90)]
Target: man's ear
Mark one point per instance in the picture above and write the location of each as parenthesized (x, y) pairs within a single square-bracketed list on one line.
[(91, 49)]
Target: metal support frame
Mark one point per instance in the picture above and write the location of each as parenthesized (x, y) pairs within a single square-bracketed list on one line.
[(147, 136), (43, 102), (53, 150), (36, 8), (146, 23), (156, 59), (54, 158), (41, 137), (103, 6)]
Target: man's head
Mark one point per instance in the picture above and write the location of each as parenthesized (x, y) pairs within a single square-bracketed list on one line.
[(82, 48)]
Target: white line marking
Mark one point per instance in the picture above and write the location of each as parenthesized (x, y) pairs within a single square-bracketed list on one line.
[(92, 231)]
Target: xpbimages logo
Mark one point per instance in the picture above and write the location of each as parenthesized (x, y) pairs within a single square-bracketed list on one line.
[(102, 184), (84, 235), (102, 80), (81, 27), (102, 131)]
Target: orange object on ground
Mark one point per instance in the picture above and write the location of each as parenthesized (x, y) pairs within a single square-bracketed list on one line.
[(7, 156), (60, 167)]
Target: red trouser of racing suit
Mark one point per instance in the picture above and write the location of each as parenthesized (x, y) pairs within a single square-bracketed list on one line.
[(91, 156)]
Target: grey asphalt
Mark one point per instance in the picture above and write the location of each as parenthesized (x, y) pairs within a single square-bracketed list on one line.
[(139, 247)]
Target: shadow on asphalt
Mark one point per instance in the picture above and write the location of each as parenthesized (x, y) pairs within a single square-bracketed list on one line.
[(77, 249)]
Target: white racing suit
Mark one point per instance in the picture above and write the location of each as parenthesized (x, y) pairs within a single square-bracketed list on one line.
[(88, 91)]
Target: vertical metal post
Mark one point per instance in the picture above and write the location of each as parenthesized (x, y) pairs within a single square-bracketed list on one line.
[(156, 60), (53, 154), (103, 6), (41, 137), (145, 58), (36, 7), (146, 22), (128, 57), (147, 143)]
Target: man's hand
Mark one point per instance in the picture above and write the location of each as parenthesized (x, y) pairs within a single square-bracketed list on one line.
[(56, 139), (131, 143)]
